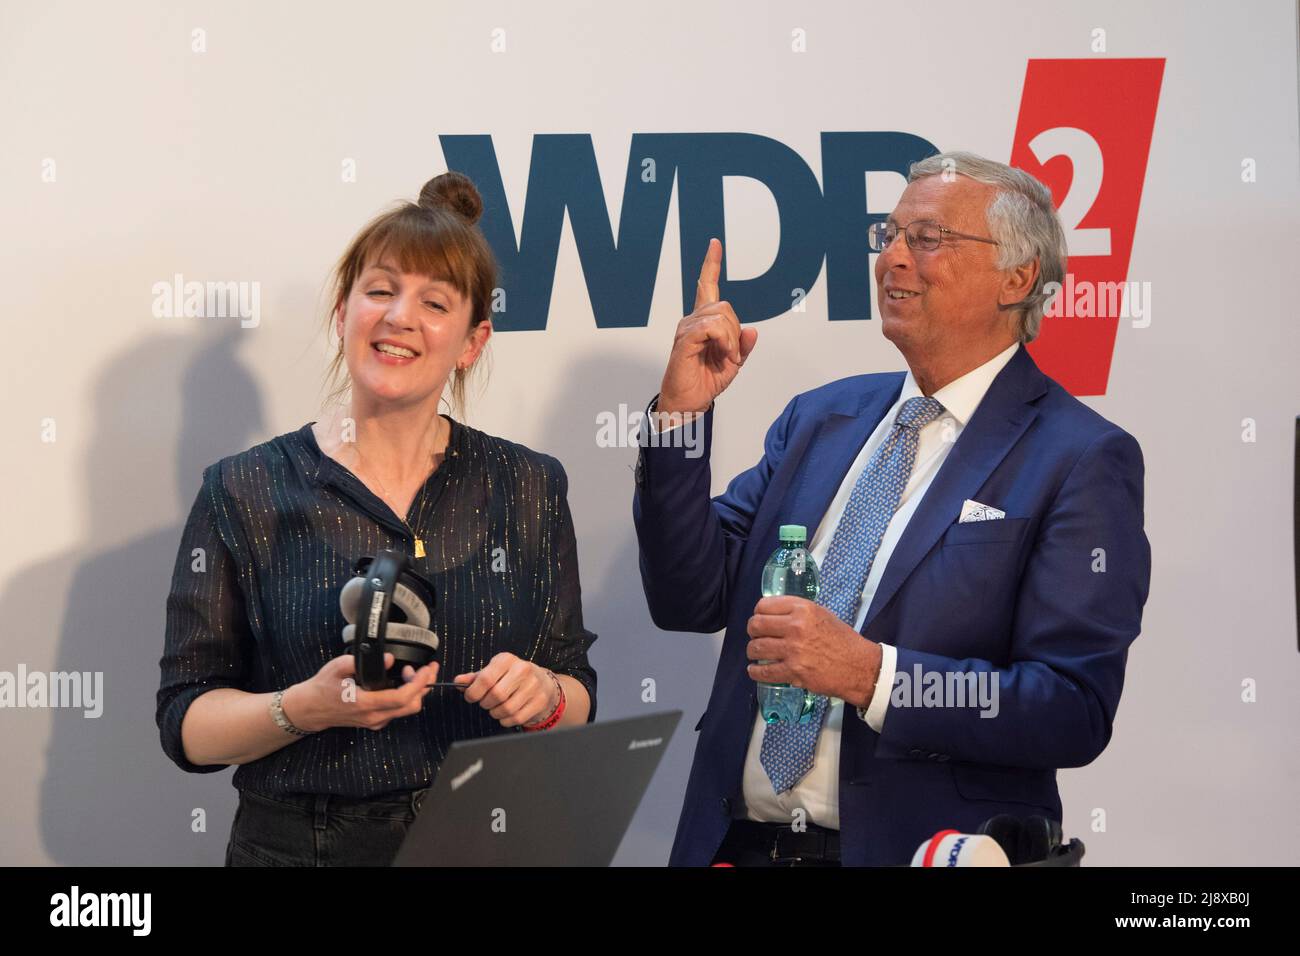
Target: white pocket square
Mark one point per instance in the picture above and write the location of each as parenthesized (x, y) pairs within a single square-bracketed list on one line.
[(974, 511)]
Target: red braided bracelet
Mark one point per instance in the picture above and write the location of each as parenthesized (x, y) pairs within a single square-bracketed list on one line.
[(555, 715)]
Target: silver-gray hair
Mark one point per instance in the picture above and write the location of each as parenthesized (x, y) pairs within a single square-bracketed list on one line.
[(1021, 217)]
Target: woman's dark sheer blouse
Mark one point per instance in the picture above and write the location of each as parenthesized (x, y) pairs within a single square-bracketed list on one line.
[(281, 526)]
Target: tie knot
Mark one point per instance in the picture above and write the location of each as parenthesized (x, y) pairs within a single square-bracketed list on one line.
[(918, 412)]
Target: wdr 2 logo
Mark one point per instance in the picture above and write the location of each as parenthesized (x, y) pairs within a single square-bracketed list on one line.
[(1084, 129)]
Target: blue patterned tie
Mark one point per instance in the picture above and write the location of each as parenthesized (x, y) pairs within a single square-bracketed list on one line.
[(787, 751)]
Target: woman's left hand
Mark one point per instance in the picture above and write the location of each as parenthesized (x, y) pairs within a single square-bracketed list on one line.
[(512, 690)]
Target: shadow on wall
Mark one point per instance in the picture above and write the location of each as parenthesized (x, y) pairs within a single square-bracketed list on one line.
[(110, 795), (629, 650)]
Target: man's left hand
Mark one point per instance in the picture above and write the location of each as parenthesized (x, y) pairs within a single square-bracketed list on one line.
[(808, 646)]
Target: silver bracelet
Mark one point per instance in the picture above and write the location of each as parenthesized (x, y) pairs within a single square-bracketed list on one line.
[(281, 721)]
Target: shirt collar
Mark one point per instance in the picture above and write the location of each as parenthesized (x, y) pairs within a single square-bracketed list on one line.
[(316, 464), (311, 458), (962, 396)]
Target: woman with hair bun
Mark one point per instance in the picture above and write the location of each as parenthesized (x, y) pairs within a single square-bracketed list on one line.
[(254, 670)]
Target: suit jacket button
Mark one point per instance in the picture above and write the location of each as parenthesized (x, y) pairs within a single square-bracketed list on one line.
[(942, 757), (915, 753), (726, 805)]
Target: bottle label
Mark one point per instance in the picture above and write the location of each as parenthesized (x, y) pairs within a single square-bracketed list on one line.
[(797, 561)]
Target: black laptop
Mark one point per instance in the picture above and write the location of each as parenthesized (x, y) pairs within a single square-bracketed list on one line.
[(562, 797)]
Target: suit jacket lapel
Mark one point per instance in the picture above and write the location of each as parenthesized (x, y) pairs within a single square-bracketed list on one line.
[(840, 436), (993, 430)]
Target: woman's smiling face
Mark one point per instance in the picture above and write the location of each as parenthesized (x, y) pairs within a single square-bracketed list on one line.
[(404, 333)]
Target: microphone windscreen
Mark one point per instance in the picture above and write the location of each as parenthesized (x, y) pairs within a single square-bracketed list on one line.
[(950, 848)]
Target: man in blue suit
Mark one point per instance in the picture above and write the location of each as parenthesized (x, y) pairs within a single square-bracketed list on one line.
[(979, 534)]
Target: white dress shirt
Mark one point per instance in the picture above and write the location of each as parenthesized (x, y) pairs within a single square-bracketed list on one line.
[(818, 792)]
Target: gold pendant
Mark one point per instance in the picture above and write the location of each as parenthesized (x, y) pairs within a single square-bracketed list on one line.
[(419, 548)]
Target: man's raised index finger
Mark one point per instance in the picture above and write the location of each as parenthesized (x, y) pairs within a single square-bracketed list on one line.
[(706, 289)]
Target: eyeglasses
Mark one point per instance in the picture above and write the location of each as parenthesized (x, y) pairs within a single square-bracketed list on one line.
[(922, 235)]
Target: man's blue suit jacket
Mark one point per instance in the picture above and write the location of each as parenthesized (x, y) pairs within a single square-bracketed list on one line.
[(1050, 597)]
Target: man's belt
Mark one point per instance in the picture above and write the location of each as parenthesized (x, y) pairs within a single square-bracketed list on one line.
[(785, 845)]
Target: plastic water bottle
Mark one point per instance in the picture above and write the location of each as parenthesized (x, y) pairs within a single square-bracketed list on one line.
[(790, 570)]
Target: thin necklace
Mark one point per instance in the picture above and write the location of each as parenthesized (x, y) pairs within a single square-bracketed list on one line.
[(419, 543)]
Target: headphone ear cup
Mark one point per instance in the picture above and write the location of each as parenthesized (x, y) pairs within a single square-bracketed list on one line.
[(420, 637), (349, 598), (413, 607), (1005, 829), (416, 611), (420, 587), (1055, 835), (1038, 837), (996, 823)]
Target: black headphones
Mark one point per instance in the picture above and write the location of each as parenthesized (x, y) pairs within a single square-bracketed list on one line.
[(1032, 841), (395, 606)]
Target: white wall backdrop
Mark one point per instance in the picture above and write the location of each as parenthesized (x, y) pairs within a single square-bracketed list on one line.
[(130, 157)]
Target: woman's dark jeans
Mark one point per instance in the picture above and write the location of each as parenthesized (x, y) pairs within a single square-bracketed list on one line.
[(319, 829)]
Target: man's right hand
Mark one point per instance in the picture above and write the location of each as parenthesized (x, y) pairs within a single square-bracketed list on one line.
[(709, 347)]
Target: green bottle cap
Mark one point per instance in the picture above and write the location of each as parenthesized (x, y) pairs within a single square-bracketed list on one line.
[(794, 532)]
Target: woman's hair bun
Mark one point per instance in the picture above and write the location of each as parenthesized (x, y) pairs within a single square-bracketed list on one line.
[(456, 191)]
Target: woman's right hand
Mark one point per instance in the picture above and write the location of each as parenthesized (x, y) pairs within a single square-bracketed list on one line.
[(330, 699), (709, 347)]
